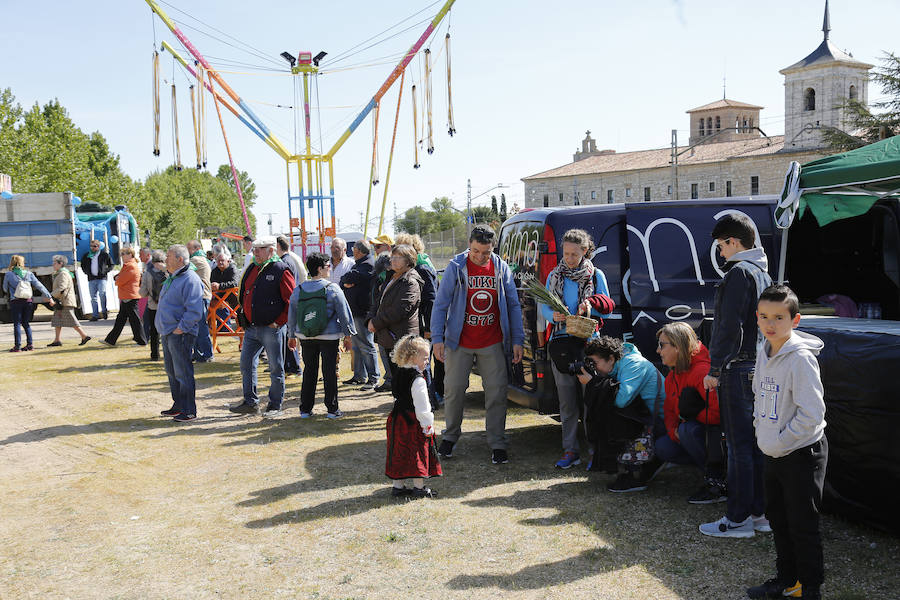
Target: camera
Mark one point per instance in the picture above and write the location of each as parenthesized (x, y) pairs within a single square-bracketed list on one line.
[(587, 365)]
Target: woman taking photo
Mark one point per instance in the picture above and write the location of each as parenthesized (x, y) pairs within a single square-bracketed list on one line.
[(64, 292), (693, 435), (319, 332), (128, 282), (582, 287), (19, 285), (395, 312)]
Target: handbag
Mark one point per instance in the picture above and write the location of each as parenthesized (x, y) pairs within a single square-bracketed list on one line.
[(564, 350), (642, 449), (23, 290)]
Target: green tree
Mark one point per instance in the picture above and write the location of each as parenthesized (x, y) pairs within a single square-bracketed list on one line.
[(248, 188), (502, 207), (868, 124)]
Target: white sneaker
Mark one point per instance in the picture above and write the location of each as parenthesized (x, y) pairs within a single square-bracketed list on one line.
[(725, 527), (761, 524)]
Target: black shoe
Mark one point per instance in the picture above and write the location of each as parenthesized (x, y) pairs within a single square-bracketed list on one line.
[(367, 387), (626, 482), (772, 588), (105, 315), (154, 357), (384, 387), (399, 492), (86, 339), (245, 408), (184, 418), (499, 456), (54, 344), (446, 448), (92, 319), (352, 381), (710, 492), (170, 412), (423, 492)]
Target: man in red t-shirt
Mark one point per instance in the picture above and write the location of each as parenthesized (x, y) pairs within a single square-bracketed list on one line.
[(477, 314)]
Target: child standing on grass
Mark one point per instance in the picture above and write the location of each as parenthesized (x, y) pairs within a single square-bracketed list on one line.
[(411, 452), (789, 417)]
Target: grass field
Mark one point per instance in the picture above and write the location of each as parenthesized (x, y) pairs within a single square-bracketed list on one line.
[(102, 499)]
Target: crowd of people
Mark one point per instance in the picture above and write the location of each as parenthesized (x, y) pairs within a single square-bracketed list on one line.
[(767, 406)]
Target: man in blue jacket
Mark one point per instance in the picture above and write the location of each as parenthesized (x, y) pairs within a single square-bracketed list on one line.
[(178, 319), (477, 314)]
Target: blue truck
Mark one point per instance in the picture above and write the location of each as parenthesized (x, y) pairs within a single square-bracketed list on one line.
[(39, 226)]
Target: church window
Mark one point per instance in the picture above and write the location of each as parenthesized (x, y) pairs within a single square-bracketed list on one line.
[(718, 124), (728, 189), (560, 197), (702, 128), (610, 196), (646, 194), (744, 125), (593, 195), (754, 186), (709, 125), (809, 99), (546, 200), (853, 92), (669, 190), (712, 186), (695, 191), (628, 192)]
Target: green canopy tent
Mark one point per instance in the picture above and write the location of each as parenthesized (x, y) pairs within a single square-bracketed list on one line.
[(838, 187)]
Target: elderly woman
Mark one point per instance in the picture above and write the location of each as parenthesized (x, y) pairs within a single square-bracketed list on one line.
[(395, 311), (582, 287), (128, 281), (151, 285), (320, 332), (64, 292), (692, 426), (21, 305), (224, 276)]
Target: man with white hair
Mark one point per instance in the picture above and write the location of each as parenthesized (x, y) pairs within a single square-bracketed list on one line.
[(265, 292), (178, 318), (340, 262)]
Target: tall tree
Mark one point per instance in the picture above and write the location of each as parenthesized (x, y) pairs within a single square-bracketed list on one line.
[(502, 207), (868, 124)]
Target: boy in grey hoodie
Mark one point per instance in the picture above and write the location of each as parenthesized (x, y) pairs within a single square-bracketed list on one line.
[(789, 417)]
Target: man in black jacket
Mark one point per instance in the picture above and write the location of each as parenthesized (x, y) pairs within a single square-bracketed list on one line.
[(357, 287), (732, 353), (96, 264)]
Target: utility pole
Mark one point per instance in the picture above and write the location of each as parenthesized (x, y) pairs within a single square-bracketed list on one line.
[(468, 208), (270, 221)]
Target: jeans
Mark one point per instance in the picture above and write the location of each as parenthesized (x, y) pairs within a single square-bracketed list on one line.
[(492, 366), (255, 339), (152, 334), (203, 349), (21, 312), (312, 350), (793, 496), (386, 363), (97, 289), (127, 312), (177, 356), (692, 449), (365, 366), (291, 359), (746, 494)]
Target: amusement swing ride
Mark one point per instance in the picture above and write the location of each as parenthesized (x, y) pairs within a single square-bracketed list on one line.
[(306, 183)]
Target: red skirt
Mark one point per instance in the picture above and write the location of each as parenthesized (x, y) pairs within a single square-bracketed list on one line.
[(410, 453)]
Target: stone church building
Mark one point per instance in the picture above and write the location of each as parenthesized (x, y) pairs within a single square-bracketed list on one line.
[(727, 154)]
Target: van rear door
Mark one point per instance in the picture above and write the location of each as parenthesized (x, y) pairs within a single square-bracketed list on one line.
[(674, 263)]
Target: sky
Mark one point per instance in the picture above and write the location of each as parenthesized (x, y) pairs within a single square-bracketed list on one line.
[(527, 81)]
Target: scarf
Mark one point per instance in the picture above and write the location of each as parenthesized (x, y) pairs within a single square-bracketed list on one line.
[(262, 265), (168, 280), (199, 253), (91, 255), (424, 259), (583, 275), (20, 272)]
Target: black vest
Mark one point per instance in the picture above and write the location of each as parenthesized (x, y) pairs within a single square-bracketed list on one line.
[(401, 388), (266, 304)]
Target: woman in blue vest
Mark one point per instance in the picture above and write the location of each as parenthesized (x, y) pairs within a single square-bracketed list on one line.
[(583, 289)]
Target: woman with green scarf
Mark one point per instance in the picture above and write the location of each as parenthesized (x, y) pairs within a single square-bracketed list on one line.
[(20, 280), (64, 292)]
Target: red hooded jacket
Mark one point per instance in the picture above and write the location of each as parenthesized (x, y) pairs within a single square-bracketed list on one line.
[(693, 377)]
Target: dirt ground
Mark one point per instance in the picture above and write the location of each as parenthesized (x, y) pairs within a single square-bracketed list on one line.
[(102, 498)]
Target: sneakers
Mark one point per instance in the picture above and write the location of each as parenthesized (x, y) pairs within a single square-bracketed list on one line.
[(499, 456), (244, 408), (107, 343), (725, 527), (775, 588), (15, 349), (568, 460), (710, 492), (446, 448), (796, 591), (305, 415), (367, 386), (335, 415), (761, 524), (423, 492), (170, 412), (352, 381), (272, 411), (183, 418), (384, 387), (27, 348), (625, 483), (399, 492), (54, 344)]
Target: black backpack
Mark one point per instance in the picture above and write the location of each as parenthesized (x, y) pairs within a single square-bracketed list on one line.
[(156, 285)]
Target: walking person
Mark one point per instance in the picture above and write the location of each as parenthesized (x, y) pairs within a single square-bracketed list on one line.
[(19, 284), (265, 294), (357, 287), (151, 285), (179, 315), (64, 292), (128, 282), (96, 264), (583, 289), (203, 353), (477, 314), (319, 316)]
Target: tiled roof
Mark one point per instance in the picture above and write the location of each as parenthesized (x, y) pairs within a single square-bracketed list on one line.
[(724, 103), (654, 159), (826, 53)]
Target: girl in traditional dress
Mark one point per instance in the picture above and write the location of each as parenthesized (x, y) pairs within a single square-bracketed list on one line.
[(411, 452)]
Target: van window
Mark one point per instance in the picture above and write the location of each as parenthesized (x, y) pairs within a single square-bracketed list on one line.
[(519, 248)]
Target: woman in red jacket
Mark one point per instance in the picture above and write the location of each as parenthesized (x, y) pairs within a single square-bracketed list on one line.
[(692, 427), (128, 282)]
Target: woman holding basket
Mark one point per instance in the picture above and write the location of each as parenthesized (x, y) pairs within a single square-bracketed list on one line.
[(582, 288)]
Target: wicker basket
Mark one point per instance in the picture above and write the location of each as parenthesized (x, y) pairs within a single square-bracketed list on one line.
[(583, 327)]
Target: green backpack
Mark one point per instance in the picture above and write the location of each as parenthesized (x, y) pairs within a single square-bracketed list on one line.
[(312, 312)]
